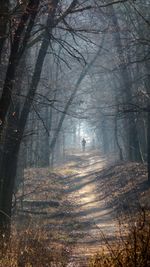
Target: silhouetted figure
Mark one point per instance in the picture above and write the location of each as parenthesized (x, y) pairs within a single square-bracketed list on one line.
[(83, 144)]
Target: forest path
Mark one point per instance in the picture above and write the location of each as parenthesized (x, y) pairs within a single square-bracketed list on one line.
[(87, 213), (73, 207), (69, 203)]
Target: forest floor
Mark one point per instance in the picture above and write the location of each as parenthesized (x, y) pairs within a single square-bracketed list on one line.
[(78, 203)]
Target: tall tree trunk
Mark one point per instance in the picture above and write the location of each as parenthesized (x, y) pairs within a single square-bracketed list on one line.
[(46, 140), (17, 49), (4, 17), (105, 136), (148, 145), (147, 83), (117, 139), (8, 170)]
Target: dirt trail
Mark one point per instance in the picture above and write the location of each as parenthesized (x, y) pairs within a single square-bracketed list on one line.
[(87, 207), (69, 204)]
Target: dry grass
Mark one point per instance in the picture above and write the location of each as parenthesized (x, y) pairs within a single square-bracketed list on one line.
[(131, 247), (126, 190), (32, 244), (38, 241), (32, 248), (125, 186)]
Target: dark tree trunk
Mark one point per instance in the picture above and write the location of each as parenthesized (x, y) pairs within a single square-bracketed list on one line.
[(46, 150), (8, 170), (8, 174), (148, 144), (4, 17), (17, 49), (117, 140), (105, 137), (147, 83), (134, 145)]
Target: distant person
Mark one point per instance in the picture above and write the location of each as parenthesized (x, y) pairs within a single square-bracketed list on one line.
[(83, 144)]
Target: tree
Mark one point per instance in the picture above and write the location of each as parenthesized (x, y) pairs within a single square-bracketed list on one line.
[(20, 39), (4, 18)]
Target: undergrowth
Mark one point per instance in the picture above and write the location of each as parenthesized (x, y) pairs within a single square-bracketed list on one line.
[(33, 249), (131, 247)]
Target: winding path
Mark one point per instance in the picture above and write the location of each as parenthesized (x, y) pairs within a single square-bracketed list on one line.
[(81, 220), (91, 220)]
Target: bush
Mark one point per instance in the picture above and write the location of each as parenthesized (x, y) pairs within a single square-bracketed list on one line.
[(131, 250), (33, 249)]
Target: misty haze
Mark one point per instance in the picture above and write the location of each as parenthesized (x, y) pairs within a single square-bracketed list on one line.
[(74, 133)]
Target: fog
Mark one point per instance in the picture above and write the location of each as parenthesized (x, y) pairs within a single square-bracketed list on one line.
[(74, 91)]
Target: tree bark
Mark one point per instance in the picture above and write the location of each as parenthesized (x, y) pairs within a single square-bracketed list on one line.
[(4, 17), (8, 169), (148, 145), (17, 49), (117, 139)]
